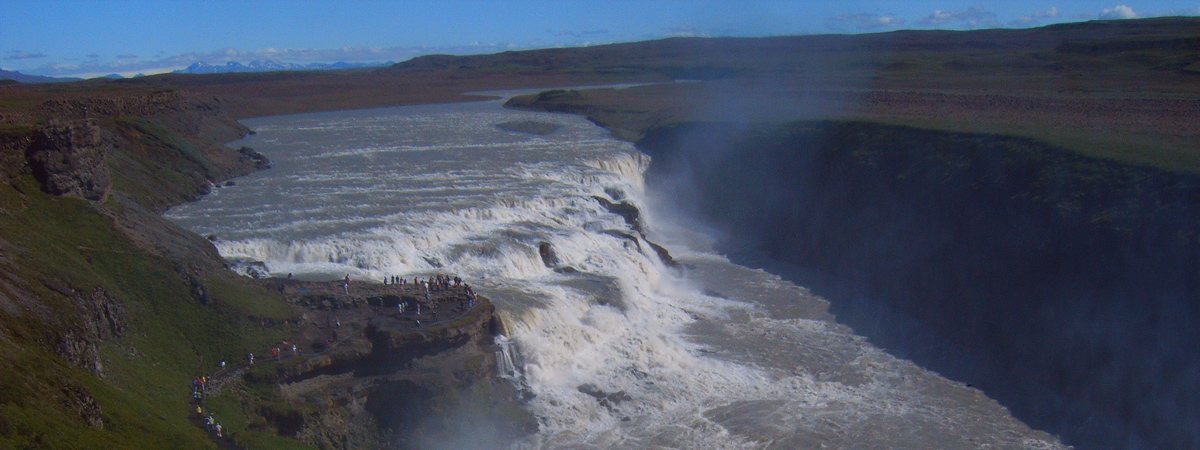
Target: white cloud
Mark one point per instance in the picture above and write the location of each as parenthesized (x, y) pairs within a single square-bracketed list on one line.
[(1036, 18), (865, 21), (1164, 13), (973, 17), (17, 54), (584, 33), (1118, 12), (684, 31)]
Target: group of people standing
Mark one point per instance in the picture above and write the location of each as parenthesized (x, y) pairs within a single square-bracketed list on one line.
[(438, 282)]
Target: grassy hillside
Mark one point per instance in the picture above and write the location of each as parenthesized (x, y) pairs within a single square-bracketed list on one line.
[(107, 310), (60, 251), (1148, 130), (1091, 56)]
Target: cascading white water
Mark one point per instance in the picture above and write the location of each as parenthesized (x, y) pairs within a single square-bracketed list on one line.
[(623, 351)]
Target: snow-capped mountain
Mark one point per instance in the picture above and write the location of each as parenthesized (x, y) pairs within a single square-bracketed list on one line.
[(271, 66)]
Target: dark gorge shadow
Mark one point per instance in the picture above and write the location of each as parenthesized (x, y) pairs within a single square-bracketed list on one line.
[(1064, 287)]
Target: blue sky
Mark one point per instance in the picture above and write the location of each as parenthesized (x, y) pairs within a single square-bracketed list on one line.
[(78, 38)]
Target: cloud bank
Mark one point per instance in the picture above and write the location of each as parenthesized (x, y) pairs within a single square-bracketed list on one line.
[(17, 54), (974, 17)]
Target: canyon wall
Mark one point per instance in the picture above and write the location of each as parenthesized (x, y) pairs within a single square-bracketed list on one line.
[(1063, 286)]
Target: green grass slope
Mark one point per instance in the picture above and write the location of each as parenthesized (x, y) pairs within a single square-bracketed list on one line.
[(107, 310), (54, 244)]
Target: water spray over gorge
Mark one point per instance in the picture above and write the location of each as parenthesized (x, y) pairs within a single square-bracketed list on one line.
[(614, 342)]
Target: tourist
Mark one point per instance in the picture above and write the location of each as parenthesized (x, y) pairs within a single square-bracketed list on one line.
[(250, 357), (219, 430), (346, 284), (293, 349)]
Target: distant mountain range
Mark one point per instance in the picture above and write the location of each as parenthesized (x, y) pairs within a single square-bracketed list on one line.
[(23, 78), (272, 66)]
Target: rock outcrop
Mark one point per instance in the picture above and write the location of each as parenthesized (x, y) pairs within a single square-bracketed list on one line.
[(260, 162), (633, 217), (100, 318), (72, 159), (383, 379), (84, 405)]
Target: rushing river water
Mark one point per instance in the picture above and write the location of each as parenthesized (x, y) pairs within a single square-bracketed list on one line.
[(708, 355)]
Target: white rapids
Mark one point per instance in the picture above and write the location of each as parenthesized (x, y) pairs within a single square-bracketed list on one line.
[(712, 355)]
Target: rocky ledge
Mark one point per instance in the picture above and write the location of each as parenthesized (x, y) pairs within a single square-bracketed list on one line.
[(362, 373)]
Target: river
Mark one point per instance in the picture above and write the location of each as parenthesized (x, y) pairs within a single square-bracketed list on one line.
[(618, 348)]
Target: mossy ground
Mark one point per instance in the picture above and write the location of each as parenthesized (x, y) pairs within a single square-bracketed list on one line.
[(170, 336)]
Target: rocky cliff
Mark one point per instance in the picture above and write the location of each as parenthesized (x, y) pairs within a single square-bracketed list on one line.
[(71, 159), (1064, 286), (364, 376)]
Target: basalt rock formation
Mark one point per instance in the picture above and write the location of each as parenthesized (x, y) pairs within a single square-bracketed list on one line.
[(103, 319), (72, 159), (1062, 285), (366, 376)]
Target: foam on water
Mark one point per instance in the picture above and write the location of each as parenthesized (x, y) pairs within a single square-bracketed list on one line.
[(439, 189)]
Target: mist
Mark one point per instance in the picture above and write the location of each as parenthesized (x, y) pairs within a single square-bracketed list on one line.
[(1062, 286)]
